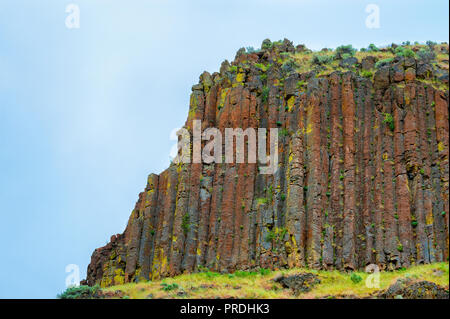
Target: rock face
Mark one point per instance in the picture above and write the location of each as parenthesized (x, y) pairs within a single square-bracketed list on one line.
[(362, 177)]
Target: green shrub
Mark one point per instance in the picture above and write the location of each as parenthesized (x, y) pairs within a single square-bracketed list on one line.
[(265, 94), (400, 247), (366, 73), (431, 44), (262, 200), (266, 44), (169, 287), (345, 51), (80, 292), (320, 59), (389, 120), (264, 271), (404, 52), (185, 223), (243, 274), (301, 85), (355, 278), (383, 62), (270, 236), (263, 67), (372, 48), (284, 132)]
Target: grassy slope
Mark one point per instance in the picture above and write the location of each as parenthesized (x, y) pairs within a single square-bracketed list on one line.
[(257, 285)]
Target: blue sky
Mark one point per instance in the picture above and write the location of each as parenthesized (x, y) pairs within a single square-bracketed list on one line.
[(85, 114)]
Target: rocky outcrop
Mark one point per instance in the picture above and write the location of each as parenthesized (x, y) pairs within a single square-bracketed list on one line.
[(362, 175), (405, 288), (299, 283)]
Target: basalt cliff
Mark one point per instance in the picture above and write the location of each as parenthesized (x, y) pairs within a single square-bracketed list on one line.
[(362, 178)]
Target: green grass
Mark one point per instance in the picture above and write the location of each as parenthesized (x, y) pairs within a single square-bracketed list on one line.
[(78, 292), (259, 284)]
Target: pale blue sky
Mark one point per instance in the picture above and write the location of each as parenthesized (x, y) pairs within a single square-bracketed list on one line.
[(85, 114)]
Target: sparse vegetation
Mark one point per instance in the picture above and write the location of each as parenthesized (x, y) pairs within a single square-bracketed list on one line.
[(355, 278), (366, 73), (260, 284), (270, 236), (320, 59), (383, 62), (426, 54), (169, 287), (404, 52), (372, 48), (185, 223), (345, 51), (389, 120), (265, 94), (80, 292)]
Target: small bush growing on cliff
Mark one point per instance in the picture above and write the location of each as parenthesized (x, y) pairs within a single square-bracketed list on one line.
[(80, 292), (185, 223), (264, 271), (169, 287), (265, 94), (345, 51), (320, 59), (270, 236), (266, 44), (372, 48), (355, 278), (234, 68), (366, 73), (389, 120), (430, 43), (263, 67), (404, 52)]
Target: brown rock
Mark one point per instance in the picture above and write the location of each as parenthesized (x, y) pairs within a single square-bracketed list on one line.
[(410, 74)]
